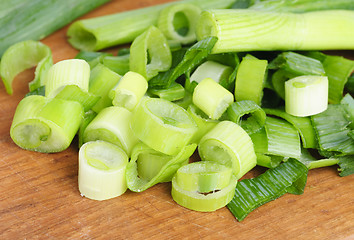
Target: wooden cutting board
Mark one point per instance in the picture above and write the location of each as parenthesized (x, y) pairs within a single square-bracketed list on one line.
[(39, 197)]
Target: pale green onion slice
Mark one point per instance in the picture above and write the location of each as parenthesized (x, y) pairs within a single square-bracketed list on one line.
[(88, 117), (212, 98), (306, 95), (150, 53), (162, 125), (112, 124), (75, 93), (203, 176), (102, 168), (249, 115), (24, 55), (227, 143), (250, 79), (202, 201), (178, 22), (172, 93), (213, 70), (204, 123), (102, 81), (250, 30), (348, 104), (67, 72), (129, 90), (45, 124), (148, 167)]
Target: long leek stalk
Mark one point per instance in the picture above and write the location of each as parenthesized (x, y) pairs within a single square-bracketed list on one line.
[(101, 32), (250, 30)]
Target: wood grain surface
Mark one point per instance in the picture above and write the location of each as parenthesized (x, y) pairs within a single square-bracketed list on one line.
[(39, 197)]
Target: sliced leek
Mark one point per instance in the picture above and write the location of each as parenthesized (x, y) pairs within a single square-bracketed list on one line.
[(212, 98), (162, 125), (227, 143), (203, 186), (24, 55), (306, 95), (102, 167)]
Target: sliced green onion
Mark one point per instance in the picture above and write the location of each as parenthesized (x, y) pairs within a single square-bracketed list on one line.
[(338, 69), (118, 64), (278, 81), (150, 53), (141, 175), (289, 177), (348, 104), (251, 30), (129, 90), (45, 124), (283, 138), (192, 58), (297, 64), (67, 72), (212, 98), (346, 165), (204, 123), (178, 22), (203, 176), (102, 80), (250, 79), (211, 69), (306, 95), (24, 55), (88, 117), (227, 143), (92, 58), (102, 168), (163, 125), (210, 180), (75, 93), (331, 127), (248, 115), (172, 93), (112, 124), (101, 32), (311, 163), (185, 101), (302, 124)]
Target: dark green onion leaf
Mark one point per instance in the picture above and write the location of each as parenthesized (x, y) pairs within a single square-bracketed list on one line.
[(331, 127), (38, 91), (346, 165), (194, 56), (288, 177)]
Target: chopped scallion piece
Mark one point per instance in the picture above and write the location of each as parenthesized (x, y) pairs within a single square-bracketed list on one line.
[(102, 167)]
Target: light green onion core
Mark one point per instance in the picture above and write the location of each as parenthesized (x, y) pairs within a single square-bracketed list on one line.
[(212, 98), (129, 90), (227, 143), (67, 72), (102, 167), (162, 125), (306, 95), (211, 69), (216, 185)]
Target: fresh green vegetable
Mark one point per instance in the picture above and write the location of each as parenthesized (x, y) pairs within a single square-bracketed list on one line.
[(306, 95), (141, 174), (101, 32), (203, 186), (36, 19), (288, 177), (45, 124), (227, 143), (24, 55), (102, 167), (251, 30)]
